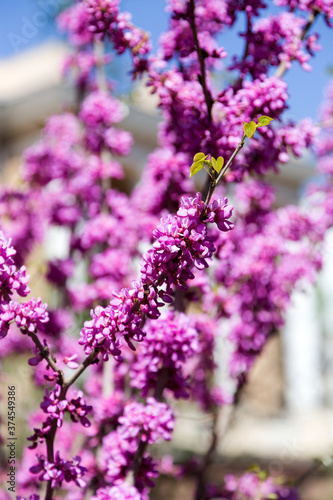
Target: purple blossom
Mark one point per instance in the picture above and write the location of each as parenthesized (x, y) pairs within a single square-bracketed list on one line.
[(75, 21), (59, 271), (102, 14), (308, 5), (119, 141), (78, 409), (181, 243), (170, 341), (92, 20), (11, 279), (29, 316), (164, 180), (60, 470), (53, 405), (39, 434), (113, 262), (250, 487), (139, 423), (71, 362), (260, 263), (64, 127), (47, 161), (107, 410), (149, 422), (30, 497), (22, 215), (100, 109), (122, 491), (257, 266), (117, 457), (108, 325)]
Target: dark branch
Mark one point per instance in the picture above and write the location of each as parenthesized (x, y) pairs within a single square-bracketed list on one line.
[(282, 68), (201, 58)]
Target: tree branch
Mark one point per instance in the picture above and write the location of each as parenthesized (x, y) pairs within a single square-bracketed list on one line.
[(88, 361), (214, 183), (202, 78), (45, 353), (200, 490), (282, 68)]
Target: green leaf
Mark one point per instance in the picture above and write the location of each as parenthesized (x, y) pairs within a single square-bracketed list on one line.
[(198, 163), (249, 129), (263, 120), (254, 468), (272, 496), (199, 156), (214, 163), (217, 164), (196, 167), (262, 475), (220, 162)]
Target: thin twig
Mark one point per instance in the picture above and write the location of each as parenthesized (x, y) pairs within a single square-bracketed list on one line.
[(202, 78), (218, 436), (200, 490), (213, 184), (49, 439), (282, 68), (45, 353), (311, 470), (88, 361)]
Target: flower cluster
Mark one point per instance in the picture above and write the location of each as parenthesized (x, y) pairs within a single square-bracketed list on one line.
[(40, 433), (164, 180), (22, 219), (170, 341), (251, 486), (180, 38), (276, 39), (29, 316), (309, 6), (99, 111), (139, 425), (150, 422), (55, 406), (117, 457), (102, 14), (11, 279), (68, 177), (60, 470), (260, 263), (182, 243), (122, 491), (94, 20), (196, 116)]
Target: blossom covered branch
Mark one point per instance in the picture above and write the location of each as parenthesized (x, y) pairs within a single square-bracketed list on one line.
[(154, 335)]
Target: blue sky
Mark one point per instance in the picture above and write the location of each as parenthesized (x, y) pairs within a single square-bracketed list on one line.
[(26, 23)]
